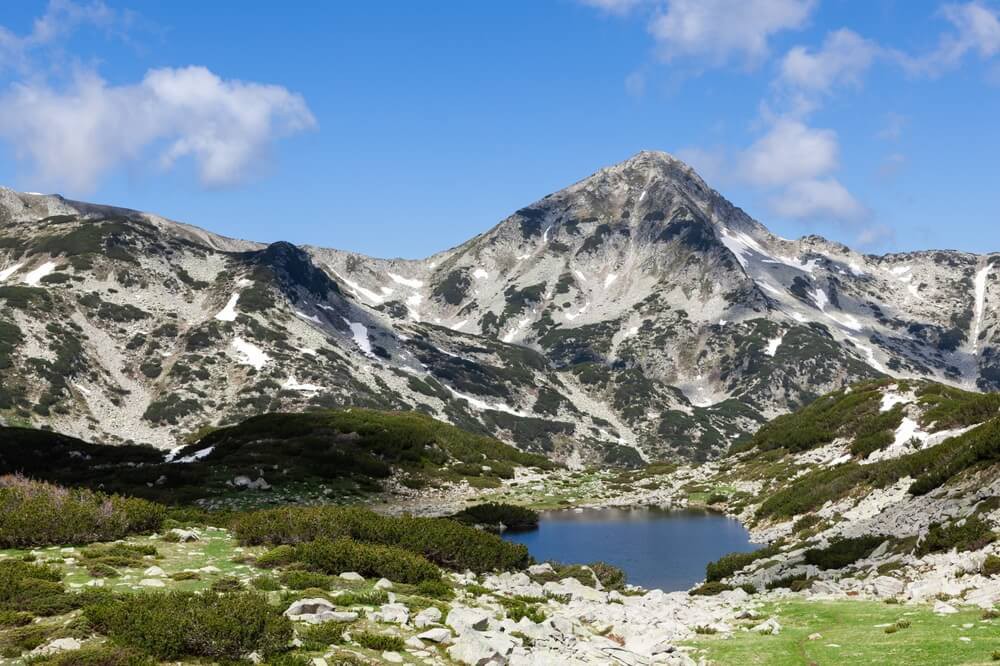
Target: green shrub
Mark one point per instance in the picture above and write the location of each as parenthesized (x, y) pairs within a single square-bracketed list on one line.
[(378, 642), (435, 589), (514, 518), (9, 618), (517, 609), (40, 514), (226, 584), (277, 557), (342, 555), (175, 625), (710, 589), (362, 598), (805, 522), (610, 576), (98, 655), (971, 534), (265, 584), (185, 575), (33, 588), (444, 542), (303, 580), (729, 564), (843, 552), (991, 566), (321, 636)]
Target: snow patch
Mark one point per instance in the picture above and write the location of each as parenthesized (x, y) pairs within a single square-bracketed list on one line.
[(480, 404), (228, 313), (406, 282), (371, 296), (197, 455), (292, 385), (458, 325), (313, 318), (480, 274), (250, 354), (583, 278), (34, 277), (773, 344), (360, 333), (608, 281), (979, 306), (10, 270)]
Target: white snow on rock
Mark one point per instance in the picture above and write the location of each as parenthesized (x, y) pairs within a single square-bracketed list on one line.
[(819, 297), (512, 334), (367, 294), (228, 313), (773, 344), (34, 277), (481, 404), (360, 333), (583, 278), (197, 455), (980, 305), (10, 270), (412, 303), (608, 281), (458, 325), (313, 318), (291, 384), (406, 282), (480, 274), (249, 353)]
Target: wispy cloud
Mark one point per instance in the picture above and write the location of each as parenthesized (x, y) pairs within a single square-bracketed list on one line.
[(719, 31), (73, 131), (975, 29)]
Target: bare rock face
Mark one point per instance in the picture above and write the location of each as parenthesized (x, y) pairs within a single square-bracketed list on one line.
[(632, 315)]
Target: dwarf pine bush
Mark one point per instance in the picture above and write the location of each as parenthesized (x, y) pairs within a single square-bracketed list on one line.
[(34, 514), (176, 625), (443, 542), (342, 555)]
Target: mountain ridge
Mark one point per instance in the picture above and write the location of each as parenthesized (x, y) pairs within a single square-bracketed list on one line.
[(633, 315)]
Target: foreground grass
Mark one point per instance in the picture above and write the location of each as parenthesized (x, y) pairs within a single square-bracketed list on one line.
[(854, 632)]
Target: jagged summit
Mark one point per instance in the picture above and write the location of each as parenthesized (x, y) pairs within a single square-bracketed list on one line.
[(632, 314)]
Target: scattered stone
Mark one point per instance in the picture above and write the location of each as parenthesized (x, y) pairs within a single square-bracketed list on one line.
[(463, 619), (151, 582), (480, 649), (768, 626), (184, 536), (392, 657), (57, 645), (437, 635), (427, 617), (153, 572), (383, 584), (392, 614), (352, 575)]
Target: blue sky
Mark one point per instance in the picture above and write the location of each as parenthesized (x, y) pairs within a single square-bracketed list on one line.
[(401, 129)]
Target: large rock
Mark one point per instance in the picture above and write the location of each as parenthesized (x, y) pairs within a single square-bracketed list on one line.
[(437, 635), (184, 536), (393, 614), (481, 649), (887, 586), (316, 611), (427, 617), (463, 619)]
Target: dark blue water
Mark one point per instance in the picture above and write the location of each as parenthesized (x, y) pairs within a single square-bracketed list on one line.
[(656, 548)]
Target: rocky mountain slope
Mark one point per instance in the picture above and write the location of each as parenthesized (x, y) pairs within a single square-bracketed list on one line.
[(633, 315)]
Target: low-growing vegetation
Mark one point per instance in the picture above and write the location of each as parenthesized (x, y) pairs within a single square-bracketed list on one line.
[(444, 542), (40, 514), (492, 514)]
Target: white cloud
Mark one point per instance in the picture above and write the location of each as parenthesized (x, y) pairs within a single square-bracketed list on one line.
[(976, 29), (76, 134), (842, 60), (718, 30), (61, 18), (816, 199), (789, 152)]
